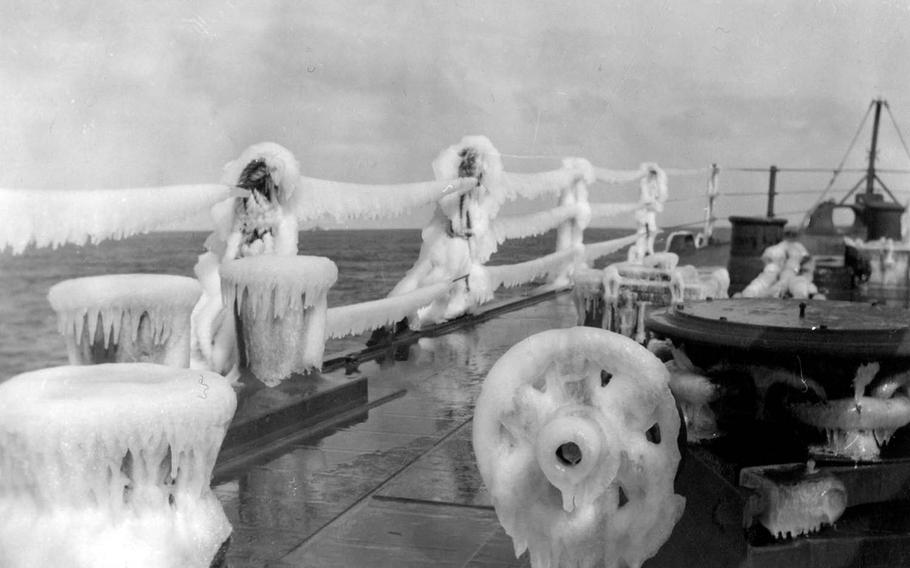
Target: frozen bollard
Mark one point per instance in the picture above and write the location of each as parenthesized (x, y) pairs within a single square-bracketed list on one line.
[(126, 318), (575, 434), (280, 303), (588, 296), (110, 465)]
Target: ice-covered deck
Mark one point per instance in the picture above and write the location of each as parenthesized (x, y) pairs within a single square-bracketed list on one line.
[(392, 482)]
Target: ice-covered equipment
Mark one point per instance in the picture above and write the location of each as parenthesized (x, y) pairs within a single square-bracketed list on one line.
[(575, 434), (53, 217), (281, 305), (110, 465), (124, 318)]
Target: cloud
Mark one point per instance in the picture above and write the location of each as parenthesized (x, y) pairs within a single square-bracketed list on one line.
[(108, 93)]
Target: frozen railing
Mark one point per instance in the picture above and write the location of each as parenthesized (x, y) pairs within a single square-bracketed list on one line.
[(262, 198)]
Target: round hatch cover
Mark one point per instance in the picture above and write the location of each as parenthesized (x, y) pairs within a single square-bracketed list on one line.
[(841, 329)]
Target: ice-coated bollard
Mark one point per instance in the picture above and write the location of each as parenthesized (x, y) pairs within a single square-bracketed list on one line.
[(280, 303), (575, 434), (126, 318), (588, 296), (109, 466)]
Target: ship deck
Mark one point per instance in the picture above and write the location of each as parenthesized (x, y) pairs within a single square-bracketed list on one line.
[(391, 481), (371, 464)]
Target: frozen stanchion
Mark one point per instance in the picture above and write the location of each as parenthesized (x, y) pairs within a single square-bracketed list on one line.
[(575, 434), (110, 465), (126, 318), (280, 304)]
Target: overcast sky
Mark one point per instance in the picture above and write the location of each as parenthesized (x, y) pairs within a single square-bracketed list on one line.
[(110, 93)]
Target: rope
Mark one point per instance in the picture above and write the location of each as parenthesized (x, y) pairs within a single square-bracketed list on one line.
[(839, 167)]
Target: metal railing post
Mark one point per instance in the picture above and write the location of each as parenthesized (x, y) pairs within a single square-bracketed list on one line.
[(772, 183)]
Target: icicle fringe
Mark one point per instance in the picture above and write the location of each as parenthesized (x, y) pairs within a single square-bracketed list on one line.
[(54, 217), (355, 319)]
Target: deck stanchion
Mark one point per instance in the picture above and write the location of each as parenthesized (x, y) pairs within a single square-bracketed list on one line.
[(772, 183)]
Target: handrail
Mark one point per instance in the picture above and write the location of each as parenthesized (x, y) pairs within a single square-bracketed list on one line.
[(93, 215)]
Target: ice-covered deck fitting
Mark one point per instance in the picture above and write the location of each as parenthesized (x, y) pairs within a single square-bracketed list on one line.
[(281, 304), (125, 318), (110, 465)]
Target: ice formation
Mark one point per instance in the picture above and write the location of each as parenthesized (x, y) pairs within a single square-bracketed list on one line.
[(458, 240), (575, 438), (53, 217), (358, 318), (510, 275), (801, 504), (317, 198), (258, 223), (532, 224), (109, 466), (787, 273), (652, 196), (619, 176), (126, 318), (593, 251), (281, 304), (858, 427), (533, 186), (694, 392)]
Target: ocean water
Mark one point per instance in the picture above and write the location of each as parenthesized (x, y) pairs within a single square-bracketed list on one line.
[(369, 263)]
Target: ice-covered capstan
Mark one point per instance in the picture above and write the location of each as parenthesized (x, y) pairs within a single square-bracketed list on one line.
[(126, 318), (653, 194), (110, 466), (575, 433)]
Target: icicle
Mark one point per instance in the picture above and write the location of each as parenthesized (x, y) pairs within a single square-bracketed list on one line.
[(511, 275), (79, 449), (532, 186), (344, 201), (357, 318), (53, 217), (282, 315), (523, 226), (275, 283), (114, 305), (594, 251), (606, 210)]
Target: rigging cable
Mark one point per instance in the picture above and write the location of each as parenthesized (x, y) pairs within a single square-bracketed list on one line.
[(899, 135), (839, 166)]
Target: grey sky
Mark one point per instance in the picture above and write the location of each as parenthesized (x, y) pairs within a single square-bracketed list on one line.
[(111, 93)]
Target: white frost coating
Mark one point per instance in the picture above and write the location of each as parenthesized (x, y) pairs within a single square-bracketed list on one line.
[(53, 217), (110, 465), (607, 210), (618, 176), (357, 318), (510, 275), (281, 304), (532, 186), (126, 317), (317, 198), (277, 284), (282, 166), (523, 226), (609, 397), (593, 251)]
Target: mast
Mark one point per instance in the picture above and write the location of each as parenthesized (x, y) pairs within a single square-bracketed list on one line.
[(870, 172)]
